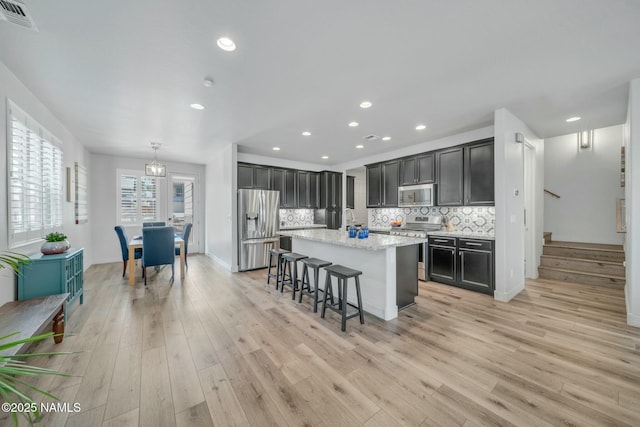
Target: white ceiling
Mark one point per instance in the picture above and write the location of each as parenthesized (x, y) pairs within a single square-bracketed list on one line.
[(121, 74)]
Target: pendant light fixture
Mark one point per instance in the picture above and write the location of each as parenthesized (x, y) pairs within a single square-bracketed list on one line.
[(155, 168)]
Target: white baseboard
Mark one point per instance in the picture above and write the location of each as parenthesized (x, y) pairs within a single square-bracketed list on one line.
[(633, 320), (507, 296), (105, 261), (222, 263)]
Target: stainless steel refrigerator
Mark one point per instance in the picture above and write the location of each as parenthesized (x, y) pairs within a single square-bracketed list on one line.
[(258, 226)]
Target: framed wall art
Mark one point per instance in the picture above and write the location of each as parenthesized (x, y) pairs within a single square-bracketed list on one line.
[(81, 193)]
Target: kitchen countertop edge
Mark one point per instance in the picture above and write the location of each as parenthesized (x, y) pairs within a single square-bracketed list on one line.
[(303, 227), (462, 234), (341, 238)]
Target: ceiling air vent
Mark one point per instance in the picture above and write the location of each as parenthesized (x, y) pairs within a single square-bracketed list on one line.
[(16, 12), (371, 137)]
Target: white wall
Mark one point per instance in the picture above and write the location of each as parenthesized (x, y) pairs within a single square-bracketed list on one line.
[(632, 196), (103, 215), (74, 151), (509, 180), (588, 183), (221, 207)]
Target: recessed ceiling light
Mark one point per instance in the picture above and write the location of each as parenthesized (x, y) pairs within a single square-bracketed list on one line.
[(353, 124), (421, 127), (386, 138), (325, 157), (573, 119), (226, 43), (276, 148), (359, 146), (306, 133), (197, 106), (365, 104)]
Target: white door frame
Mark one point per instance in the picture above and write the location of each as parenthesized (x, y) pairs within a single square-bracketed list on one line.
[(196, 232), (531, 232)]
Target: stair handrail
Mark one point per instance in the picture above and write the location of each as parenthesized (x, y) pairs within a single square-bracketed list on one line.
[(551, 193)]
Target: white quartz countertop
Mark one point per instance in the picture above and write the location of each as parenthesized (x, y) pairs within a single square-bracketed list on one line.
[(463, 234), (302, 227), (341, 238), (380, 229)]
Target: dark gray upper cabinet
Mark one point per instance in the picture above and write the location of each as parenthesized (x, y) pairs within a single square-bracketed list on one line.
[(261, 177), (284, 181), (351, 192), (426, 168), (374, 186), (450, 176), (382, 184), (314, 190), (253, 176), (418, 169), (307, 190), (330, 190), (390, 177), (245, 176), (479, 174)]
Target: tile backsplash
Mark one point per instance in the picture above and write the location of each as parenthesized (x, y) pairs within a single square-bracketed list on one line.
[(292, 217), (464, 218)]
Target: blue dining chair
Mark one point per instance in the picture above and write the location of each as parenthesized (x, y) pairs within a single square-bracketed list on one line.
[(186, 231), (158, 248), (154, 224), (124, 246)]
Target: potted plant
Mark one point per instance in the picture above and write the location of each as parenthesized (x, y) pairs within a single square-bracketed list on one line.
[(13, 389), (56, 243)]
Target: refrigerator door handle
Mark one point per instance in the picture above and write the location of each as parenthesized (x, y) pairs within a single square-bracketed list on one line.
[(260, 241)]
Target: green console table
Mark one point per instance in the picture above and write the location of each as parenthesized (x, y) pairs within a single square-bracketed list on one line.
[(52, 275)]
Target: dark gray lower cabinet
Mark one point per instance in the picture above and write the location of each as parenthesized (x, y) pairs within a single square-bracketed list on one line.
[(285, 242), (467, 263), (406, 275), (442, 259)]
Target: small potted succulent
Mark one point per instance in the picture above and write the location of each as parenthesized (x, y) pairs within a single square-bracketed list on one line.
[(56, 243)]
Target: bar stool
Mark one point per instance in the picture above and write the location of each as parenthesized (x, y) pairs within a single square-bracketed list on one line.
[(316, 264), (291, 263), (342, 306), (278, 274)]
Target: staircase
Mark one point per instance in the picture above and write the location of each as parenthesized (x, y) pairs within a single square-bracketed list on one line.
[(588, 263)]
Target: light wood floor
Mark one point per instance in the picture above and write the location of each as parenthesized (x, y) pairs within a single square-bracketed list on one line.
[(219, 349)]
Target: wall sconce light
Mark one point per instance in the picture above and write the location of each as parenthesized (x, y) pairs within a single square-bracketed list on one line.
[(155, 168), (585, 139)]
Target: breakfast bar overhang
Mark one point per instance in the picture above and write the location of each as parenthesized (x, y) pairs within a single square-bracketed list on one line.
[(389, 278)]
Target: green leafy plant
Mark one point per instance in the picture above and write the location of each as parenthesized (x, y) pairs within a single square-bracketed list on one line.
[(55, 237), (13, 260), (13, 388)]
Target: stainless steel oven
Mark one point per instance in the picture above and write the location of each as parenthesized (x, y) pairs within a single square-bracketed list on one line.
[(418, 226)]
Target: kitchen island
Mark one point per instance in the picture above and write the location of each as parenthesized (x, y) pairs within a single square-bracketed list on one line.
[(389, 265)]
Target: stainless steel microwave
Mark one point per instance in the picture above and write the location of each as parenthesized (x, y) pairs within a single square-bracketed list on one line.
[(416, 195)]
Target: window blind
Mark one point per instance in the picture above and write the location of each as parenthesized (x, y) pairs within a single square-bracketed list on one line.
[(138, 198), (35, 189)]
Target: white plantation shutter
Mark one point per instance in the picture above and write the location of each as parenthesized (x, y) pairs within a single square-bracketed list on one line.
[(149, 198), (35, 179), (138, 198), (128, 199)]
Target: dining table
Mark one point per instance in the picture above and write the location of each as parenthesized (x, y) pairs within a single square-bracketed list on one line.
[(136, 243)]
